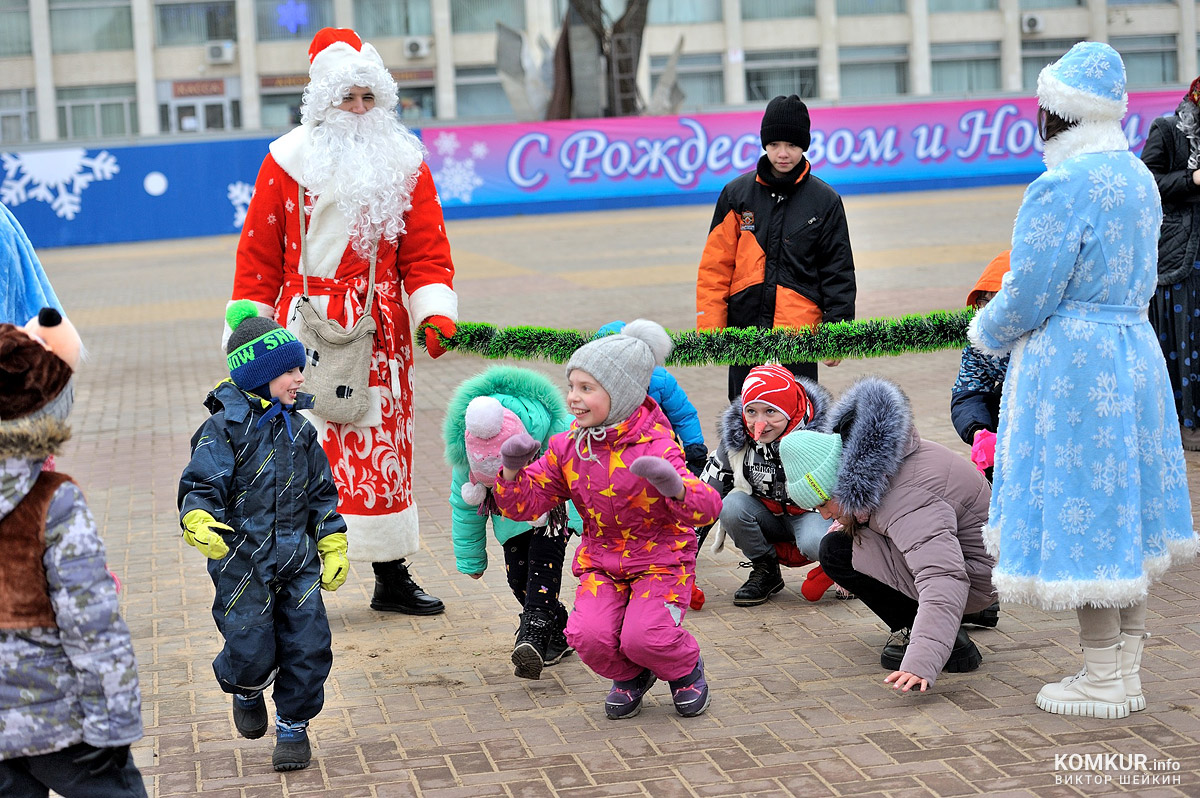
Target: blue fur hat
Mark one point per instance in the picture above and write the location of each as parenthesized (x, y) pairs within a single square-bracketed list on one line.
[(1085, 85), (259, 350)]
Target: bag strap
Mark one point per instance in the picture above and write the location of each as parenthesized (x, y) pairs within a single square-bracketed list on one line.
[(303, 260)]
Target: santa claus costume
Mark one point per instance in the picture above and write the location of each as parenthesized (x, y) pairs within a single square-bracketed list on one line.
[(366, 187)]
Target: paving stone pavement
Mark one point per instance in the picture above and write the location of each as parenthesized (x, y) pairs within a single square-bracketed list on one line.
[(430, 707)]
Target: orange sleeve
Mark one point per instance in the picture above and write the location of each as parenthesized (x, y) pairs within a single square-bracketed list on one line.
[(715, 276), (259, 271)]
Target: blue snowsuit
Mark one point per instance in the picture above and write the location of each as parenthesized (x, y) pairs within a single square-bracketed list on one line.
[(278, 494)]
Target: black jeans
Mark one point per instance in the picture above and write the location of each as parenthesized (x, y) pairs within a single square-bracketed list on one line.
[(35, 776), (891, 606), (737, 375), (533, 562)]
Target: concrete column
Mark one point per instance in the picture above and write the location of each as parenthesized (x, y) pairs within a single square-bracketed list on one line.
[(1185, 45), (445, 96), (734, 57), (1098, 20), (1010, 45), (539, 21), (46, 96), (247, 53), (142, 15), (343, 13), (920, 71), (828, 76)]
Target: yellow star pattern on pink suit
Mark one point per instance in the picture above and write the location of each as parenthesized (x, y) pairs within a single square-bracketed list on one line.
[(642, 501), (614, 461), (542, 479), (551, 457), (672, 597), (569, 474), (609, 492), (591, 584), (682, 579), (583, 557), (650, 544), (678, 545)]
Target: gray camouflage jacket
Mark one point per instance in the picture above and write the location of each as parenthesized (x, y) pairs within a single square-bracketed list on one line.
[(77, 682)]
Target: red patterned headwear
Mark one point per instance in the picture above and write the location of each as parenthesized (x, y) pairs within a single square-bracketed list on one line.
[(776, 386), (338, 59), (1193, 92), (327, 36)]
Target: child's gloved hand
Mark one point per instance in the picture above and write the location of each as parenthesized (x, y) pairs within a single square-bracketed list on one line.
[(518, 451), (334, 563), (983, 450), (696, 455), (203, 531), (660, 474)]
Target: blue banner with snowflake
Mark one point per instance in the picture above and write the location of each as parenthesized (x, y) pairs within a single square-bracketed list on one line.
[(73, 195)]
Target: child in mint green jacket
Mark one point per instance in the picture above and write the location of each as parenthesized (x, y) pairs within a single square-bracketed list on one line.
[(485, 411)]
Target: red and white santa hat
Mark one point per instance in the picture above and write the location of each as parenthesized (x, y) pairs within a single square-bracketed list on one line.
[(339, 59), (776, 386)]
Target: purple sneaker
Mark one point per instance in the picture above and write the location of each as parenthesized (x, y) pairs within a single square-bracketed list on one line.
[(625, 698), (690, 693)]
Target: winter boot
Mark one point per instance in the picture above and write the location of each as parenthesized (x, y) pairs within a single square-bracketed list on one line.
[(690, 693), (1097, 691), (557, 647), (625, 698), (989, 617), (815, 584), (894, 649), (533, 638), (395, 591), (292, 751), (1131, 665), (765, 580), (250, 716), (964, 656)]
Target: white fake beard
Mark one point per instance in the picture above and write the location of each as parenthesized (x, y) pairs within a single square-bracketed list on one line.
[(367, 164)]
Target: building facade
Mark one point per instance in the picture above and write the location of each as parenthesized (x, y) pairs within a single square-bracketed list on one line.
[(81, 70)]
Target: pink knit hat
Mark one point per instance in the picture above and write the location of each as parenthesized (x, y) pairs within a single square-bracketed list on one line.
[(488, 425)]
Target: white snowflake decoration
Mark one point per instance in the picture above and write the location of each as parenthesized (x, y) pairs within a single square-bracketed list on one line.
[(239, 195), (457, 179), (56, 177), (446, 144), (479, 150)]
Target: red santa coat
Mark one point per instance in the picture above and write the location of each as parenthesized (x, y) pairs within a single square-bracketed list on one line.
[(372, 459)]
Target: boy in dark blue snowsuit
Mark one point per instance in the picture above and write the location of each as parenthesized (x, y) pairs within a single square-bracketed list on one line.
[(258, 499)]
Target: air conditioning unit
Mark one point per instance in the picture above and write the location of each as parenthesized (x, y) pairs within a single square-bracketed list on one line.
[(417, 46), (220, 52), (1032, 23)]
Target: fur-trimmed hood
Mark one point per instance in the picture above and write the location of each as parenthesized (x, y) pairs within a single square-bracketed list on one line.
[(36, 436), (875, 420), (731, 427), (532, 396)]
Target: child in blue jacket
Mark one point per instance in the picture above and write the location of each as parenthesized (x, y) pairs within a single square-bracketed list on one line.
[(258, 499)]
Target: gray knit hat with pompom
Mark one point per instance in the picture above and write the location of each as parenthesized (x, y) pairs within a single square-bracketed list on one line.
[(623, 363)]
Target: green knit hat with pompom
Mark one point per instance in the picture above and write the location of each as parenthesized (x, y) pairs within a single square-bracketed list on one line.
[(259, 350)]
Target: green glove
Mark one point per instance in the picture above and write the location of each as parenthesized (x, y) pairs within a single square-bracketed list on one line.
[(204, 532), (334, 564)]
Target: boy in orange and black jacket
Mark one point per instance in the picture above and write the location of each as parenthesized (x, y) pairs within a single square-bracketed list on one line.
[(778, 252)]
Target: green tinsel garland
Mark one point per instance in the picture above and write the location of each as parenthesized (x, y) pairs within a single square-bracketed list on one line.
[(941, 329)]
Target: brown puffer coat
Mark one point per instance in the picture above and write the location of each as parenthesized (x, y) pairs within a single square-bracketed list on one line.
[(921, 508)]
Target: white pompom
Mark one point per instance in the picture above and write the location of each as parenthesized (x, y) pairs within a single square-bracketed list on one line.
[(484, 417), (473, 493), (653, 335)]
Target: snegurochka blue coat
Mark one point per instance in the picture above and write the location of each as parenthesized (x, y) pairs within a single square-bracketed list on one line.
[(1090, 502), (277, 492)]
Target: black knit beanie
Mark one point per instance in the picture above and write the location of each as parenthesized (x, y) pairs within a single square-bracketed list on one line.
[(786, 119)]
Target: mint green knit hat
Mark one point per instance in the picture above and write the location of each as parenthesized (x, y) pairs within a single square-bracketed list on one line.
[(811, 461)]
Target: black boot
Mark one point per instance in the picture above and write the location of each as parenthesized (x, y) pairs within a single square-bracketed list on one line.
[(765, 580), (395, 591), (558, 647), (989, 617), (533, 637), (964, 656)]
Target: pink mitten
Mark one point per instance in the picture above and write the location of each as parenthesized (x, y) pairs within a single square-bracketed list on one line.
[(518, 451), (983, 450), (659, 473)]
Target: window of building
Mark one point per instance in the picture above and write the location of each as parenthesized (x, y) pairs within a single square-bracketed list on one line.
[(481, 16), (377, 18), (1149, 60), (1033, 5), (194, 23), (609, 9), (778, 9), (880, 71), (14, 28), (87, 26), (1036, 54), (480, 94), (280, 110), (775, 72), (18, 116), (683, 12), (97, 111), (965, 68), (942, 6), (701, 78), (291, 20), (855, 7)]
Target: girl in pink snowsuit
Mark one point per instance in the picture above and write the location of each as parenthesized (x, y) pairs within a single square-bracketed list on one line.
[(640, 505)]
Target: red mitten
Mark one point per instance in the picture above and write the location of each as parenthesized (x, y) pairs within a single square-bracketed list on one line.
[(697, 598), (815, 584), (432, 326)]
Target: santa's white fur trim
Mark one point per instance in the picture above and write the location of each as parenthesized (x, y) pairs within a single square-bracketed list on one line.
[(1073, 104), (383, 538), (289, 151), (976, 339), (335, 70), (435, 299), (1084, 138), (263, 310)]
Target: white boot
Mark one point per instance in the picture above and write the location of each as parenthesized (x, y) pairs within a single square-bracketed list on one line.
[(1097, 691), (1131, 664)]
